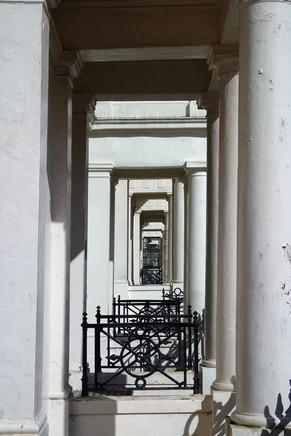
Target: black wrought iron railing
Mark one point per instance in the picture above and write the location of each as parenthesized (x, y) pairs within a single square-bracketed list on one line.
[(165, 307), (173, 294), (143, 350)]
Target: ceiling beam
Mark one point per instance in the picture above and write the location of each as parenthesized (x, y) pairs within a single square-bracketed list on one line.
[(184, 79), (84, 27)]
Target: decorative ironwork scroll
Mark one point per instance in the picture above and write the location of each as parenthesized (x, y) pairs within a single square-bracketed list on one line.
[(150, 348)]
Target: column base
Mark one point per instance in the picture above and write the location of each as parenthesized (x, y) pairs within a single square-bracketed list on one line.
[(208, 377), (121, 288), (75, 379), (255, 421), (58, 414), (37, 427), (178, 285), (242, 430), (223, 405)]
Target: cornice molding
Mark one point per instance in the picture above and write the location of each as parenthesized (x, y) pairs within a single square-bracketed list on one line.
[(83, 103), (69, 64), (210, 102), (224, 59), (54, 3), (192, 167)]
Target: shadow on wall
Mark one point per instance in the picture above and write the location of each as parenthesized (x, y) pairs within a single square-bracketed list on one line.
[(199, 423), (276, 425)]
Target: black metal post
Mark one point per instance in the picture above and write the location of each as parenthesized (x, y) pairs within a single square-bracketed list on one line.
[(84, 357), (196, 322), (97, 348), (189, 315)]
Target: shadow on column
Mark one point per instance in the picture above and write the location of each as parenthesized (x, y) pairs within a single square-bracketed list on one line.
[(278, 426)]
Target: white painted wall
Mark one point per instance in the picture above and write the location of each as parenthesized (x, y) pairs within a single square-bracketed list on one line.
[(152, 150), (24, 220), (147, 109)]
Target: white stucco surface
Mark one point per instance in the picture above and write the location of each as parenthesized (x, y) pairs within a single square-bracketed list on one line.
[(24, 213), (141, 150)]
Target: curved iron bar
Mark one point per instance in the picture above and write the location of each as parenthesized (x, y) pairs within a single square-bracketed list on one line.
[(146, 342)]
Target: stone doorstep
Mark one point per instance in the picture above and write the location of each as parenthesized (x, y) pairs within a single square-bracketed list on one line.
[(240, 430), (176, 403)]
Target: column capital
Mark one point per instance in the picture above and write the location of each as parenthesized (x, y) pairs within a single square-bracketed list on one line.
[(69, 64), (100, 170), (83, 103), (224, 59), (209, 102), (179, 179), (191, 168)]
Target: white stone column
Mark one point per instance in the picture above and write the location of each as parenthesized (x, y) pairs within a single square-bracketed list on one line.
[(227, 227), (195, 291), (209, 362), (136, 248), (24, 215), (59, 156), (98, 271), (121, 239), (178, 233), (224, 385), (165, 249), (129, 241), (186, 241), (264, 211), (78, 286), (170, 239)]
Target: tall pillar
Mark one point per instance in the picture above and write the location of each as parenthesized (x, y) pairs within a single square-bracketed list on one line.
[(264, 211), (24, 190), (224, 384), (136, 248), (121, 239), (99, 215), (195, 291), (209, 362), (165, 249), (178, 233), (78, 234), (186, 241), (170, 239), (129, 241), (59, 156)]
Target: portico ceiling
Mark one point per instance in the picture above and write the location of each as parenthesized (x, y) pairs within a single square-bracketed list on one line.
[(183, 79), (150, 47)]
